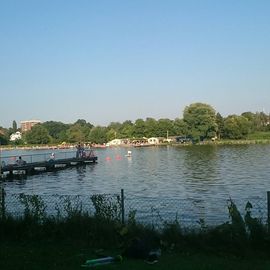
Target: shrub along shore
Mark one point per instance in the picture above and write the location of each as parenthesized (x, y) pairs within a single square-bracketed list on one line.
[(65, 242)]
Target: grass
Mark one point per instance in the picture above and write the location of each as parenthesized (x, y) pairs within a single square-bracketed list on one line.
[(67, 256), (259, 135), (35, 241)]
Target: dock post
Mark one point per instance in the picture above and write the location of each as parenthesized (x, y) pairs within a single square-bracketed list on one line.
[(122, 207)]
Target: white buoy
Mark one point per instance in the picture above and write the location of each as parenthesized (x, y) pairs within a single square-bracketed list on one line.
[(128, 154)]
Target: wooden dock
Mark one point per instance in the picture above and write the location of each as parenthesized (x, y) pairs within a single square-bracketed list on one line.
[(47, 165)]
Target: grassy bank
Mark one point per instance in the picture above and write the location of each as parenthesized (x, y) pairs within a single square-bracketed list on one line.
[(36, 241)]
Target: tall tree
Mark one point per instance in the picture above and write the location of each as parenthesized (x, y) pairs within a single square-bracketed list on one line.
[(139, 128), (236, 127), (126, 130), (164, 126), (220, 126), (98, 135), (37, 135), (76, 134), (14, 126), (180, 127), (57, 130), (151, 127), (201, 121)]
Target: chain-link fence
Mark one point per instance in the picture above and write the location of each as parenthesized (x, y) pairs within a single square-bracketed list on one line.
[(190, 212), (155, 211)]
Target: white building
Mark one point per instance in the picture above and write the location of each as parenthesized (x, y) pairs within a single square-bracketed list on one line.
[(15, 136), (115, 142), (153, 140)]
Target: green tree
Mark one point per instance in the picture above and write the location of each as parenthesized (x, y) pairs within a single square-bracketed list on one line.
[(201, 121), (127, 129), (84, 127), (259, 121), (180, 127), (3, 138), (37, 135), (236, 127), (14, 126), (151, 127), (76, 133), (164, 126), (139, 128), (98, 135), (113, 131), (57, 130), (111, 134), (220, 126)]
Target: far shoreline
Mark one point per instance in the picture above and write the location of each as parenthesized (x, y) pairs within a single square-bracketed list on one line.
[(98, 146)]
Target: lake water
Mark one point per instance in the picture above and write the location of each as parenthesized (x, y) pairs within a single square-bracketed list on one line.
[(199, 179)]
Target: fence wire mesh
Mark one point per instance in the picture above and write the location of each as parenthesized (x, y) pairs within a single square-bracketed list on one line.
[(190, 212), (154, 211)]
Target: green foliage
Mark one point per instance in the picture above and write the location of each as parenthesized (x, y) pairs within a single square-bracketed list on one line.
[(104, 229), (258, 121), (259, 135), (56, 130), (69, 208), (107, 207), (98, 135), (14, 126), (172, 234), (164, 126), (111, 134), (3, 139), (256, 230), (34, 207), (126, 130), (37, 135), (237, 223), (236, 127), (201, 121), (180, 127), (75, 134), (220, 125), (139, 128)]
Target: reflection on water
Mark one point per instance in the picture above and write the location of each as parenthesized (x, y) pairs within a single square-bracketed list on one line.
[(200, 163)]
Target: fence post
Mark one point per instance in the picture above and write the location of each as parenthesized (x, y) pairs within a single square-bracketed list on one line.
[(122, 206), (268, 210), (3, 206)]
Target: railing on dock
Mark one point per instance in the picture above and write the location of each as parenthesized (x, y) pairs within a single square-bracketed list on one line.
[(33, 163), (40, 157)]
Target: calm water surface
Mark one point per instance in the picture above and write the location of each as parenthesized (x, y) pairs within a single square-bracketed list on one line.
[(203, 174)]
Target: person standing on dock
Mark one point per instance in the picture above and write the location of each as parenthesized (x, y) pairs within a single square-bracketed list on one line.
[(79, 150)]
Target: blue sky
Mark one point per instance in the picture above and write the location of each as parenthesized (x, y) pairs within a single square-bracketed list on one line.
[(107, 61)]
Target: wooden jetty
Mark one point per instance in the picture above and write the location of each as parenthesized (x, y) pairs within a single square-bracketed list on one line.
[(45, 163)]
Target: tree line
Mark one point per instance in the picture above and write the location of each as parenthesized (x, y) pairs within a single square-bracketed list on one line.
[(200, 122)]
